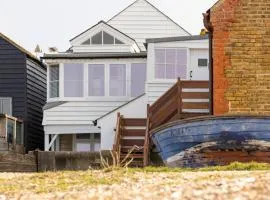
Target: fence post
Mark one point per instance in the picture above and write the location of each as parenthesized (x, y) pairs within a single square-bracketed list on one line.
[(179, 97)]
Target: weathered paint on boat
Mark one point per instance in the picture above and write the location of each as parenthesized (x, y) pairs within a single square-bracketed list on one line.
[(177, 137)]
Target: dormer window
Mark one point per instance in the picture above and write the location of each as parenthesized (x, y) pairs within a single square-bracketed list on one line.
[(102, 38)]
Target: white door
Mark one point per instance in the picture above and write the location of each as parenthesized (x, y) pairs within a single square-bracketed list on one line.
[(199, 64)]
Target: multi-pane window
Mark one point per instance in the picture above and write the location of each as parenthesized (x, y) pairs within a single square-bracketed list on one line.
[(117, 80), (88, 142), (54, 81), (96, 80), (138, 78), (101, 38), (170, 63), (6, 105), (73, 80)]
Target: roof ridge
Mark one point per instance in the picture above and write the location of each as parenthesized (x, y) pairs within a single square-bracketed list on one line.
[(155, 9), (22, 49)]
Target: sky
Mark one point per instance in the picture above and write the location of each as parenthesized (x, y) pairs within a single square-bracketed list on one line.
[(52, 23)]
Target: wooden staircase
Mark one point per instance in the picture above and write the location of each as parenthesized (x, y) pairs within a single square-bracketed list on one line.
[(130, 139), (185, 99)]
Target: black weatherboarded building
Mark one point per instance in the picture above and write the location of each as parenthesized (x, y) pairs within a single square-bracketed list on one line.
[(23, 89)]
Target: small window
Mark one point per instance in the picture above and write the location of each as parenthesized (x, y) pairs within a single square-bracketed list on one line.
[(102, 38), (87, 42), (202, 62), (88, 142), (97, 39), (107, 38), (6, 105), (54, 81)]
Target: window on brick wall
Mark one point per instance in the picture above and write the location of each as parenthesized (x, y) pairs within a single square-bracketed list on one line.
[(170, 63)]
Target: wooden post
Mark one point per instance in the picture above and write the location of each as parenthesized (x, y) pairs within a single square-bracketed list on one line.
[(179, 97), (147, 138)]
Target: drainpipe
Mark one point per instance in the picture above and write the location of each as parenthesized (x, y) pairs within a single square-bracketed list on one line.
[(209, 27)]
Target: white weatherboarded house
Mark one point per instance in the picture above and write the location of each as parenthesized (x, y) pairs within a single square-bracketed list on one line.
[(106, 70)]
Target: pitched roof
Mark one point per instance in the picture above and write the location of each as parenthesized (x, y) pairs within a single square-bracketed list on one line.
[(23, 50), (100, 22), (154, 8), (142, 20)]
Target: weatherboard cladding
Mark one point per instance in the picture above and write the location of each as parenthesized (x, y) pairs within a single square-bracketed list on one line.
[(142, 20), (24, 80)]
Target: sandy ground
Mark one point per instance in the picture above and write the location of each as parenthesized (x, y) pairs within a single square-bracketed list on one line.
[(238, 185)]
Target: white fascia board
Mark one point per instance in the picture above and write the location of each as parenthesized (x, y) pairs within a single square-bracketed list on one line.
[(194, 44)]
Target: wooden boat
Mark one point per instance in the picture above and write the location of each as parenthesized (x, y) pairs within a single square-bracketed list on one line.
[(177, 140)]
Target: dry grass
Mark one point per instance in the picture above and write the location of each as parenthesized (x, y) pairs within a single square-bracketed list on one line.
[(125, 181)]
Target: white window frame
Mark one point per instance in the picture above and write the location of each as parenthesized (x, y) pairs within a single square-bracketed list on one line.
[(48, 82), (154, 64), (92, 141), (63, 80), (86, 70), (86, 97), (102, 40), (10, 101)]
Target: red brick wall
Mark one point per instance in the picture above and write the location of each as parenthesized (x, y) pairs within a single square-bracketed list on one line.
[(241, 56)]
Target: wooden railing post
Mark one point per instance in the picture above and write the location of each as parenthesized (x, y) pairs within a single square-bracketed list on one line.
[(117, 133), (179, 97), (147, 138)]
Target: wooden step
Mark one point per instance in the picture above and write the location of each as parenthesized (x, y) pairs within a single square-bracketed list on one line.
[(132, 142), (127, 149), (134, 122), (133, 132), (132, 156)]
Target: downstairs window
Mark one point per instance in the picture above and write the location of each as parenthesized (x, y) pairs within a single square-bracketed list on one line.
[(88, 142)]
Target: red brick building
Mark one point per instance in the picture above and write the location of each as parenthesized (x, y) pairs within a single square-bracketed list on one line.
[(240, 31)]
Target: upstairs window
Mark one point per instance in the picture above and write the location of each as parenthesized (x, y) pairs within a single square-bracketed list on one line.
[(138, 78), (96, 80), (102, 38), (73, 80), (118, 80), (54, 81), (170, 63), (6, 105)]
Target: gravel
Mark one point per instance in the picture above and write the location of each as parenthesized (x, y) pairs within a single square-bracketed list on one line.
[(238, 185)]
